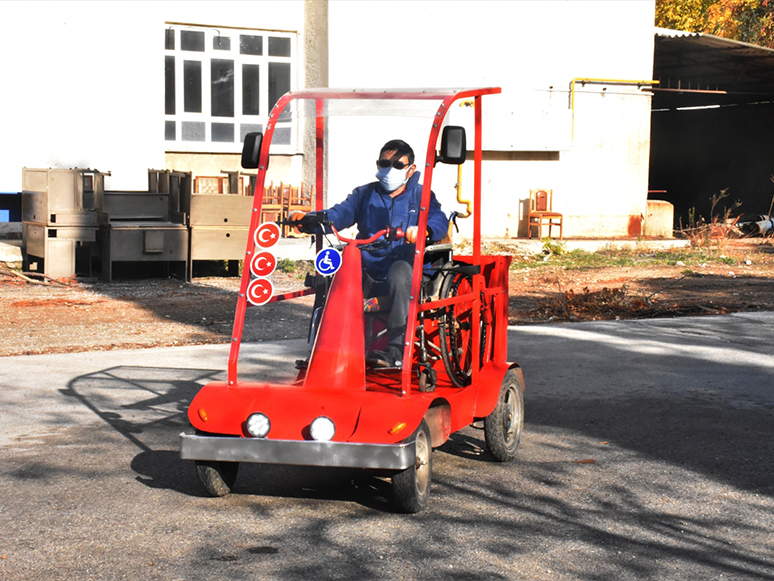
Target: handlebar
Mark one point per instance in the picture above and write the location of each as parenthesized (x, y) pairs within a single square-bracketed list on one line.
[(308, 223), (388, 233), (311, 222)]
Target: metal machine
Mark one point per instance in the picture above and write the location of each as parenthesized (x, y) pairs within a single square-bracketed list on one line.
[(61, 214)]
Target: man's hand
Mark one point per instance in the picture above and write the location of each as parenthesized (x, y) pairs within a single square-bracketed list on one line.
[(298, 218), (305, 223), (411, 234)]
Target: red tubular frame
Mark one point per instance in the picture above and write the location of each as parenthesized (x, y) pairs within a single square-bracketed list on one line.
[(447, 97), (319, 123), (422, 230)]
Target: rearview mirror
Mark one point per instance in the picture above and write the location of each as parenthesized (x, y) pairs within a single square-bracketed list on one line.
[(251, 150), (453, 145)]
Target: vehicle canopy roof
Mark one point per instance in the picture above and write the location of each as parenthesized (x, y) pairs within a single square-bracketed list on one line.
[(421, 102)]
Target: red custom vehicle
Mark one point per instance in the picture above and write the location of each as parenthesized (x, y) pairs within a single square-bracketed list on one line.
[(338, 412)]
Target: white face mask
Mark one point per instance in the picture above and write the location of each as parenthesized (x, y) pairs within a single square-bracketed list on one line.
[(391, 178)]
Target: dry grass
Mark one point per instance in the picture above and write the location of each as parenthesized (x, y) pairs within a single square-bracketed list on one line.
[(717, 230)]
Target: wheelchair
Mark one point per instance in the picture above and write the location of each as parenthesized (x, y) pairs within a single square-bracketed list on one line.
[(444, 333)]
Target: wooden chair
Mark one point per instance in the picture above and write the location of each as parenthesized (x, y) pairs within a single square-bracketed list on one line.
[(541, 213), (271, 205), (284, 196), (282, 200), (210, 184), (300, 200)]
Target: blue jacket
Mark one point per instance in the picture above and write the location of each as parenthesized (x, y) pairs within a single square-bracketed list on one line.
[(372, 209)]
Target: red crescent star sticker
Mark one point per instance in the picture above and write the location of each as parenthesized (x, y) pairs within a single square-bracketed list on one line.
[(267, 235), (260, 291), (263, 264)]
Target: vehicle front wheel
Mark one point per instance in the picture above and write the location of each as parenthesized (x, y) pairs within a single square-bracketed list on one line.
[(411, 487), (502, 428), (217, 478)]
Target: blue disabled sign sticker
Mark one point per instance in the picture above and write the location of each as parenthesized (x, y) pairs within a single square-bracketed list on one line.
[(328, 261)]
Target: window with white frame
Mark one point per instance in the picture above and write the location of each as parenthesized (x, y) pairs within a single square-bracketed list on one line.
[(221, 84)]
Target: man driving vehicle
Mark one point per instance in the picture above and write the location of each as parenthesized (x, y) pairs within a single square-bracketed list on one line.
[(393, 201)]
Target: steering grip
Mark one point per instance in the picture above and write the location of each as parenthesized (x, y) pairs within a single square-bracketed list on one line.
[(309, 223), (394, 233)]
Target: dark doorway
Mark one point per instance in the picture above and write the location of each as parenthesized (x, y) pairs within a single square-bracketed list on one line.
[(695, 154)]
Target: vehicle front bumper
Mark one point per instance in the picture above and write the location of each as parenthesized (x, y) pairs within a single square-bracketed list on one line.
[(298, 453)]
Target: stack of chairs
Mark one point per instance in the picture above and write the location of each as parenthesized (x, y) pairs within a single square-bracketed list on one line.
[(282, 200)]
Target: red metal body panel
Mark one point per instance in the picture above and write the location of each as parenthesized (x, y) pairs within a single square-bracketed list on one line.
[(338, 357), (366, 416)]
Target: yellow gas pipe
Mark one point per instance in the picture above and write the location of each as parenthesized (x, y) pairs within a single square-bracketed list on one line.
[(458, 185), (584, 81)]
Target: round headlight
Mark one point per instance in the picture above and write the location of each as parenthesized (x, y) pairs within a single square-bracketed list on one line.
[(258, 425), (322, 429)]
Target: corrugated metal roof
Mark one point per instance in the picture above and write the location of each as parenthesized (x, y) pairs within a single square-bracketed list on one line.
[(674, 33), (697, 69)]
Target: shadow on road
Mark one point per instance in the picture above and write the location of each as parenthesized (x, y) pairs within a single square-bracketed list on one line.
[(647, 453), (694, 392), (149, 409)]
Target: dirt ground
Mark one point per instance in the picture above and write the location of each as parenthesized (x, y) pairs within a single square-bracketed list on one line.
[(68, 316)]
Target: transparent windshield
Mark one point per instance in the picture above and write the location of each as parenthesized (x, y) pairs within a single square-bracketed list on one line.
[(353, 131)]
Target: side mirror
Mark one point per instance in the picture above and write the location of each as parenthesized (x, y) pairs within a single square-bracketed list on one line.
[(251, 150), (453, 145)]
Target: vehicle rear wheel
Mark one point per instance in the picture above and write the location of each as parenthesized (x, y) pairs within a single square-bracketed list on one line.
[(411, 487), (217, 478), (502, 428)]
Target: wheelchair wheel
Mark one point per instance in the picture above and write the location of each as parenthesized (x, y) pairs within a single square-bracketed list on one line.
[(456, 329)]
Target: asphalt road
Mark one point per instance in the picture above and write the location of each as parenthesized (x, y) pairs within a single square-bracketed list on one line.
[(648, 453)]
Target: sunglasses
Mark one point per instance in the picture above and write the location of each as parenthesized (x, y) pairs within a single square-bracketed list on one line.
[(396, 164)]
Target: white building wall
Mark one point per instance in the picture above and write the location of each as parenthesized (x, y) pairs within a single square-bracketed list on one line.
[(80, 89), (83, 82), (533, 50)]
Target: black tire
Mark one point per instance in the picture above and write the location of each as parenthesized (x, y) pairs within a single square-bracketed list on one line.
[(217, 478), (411, 487), (503, 427), (456, 329)]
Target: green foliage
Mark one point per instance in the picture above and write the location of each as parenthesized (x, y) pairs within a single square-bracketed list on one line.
[(286, 265), (583, 260), (552, 247)]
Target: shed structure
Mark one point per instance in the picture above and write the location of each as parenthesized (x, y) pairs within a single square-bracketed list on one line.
[(713, 113)]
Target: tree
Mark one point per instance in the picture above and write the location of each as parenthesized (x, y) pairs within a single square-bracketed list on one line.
[(750, 21)]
